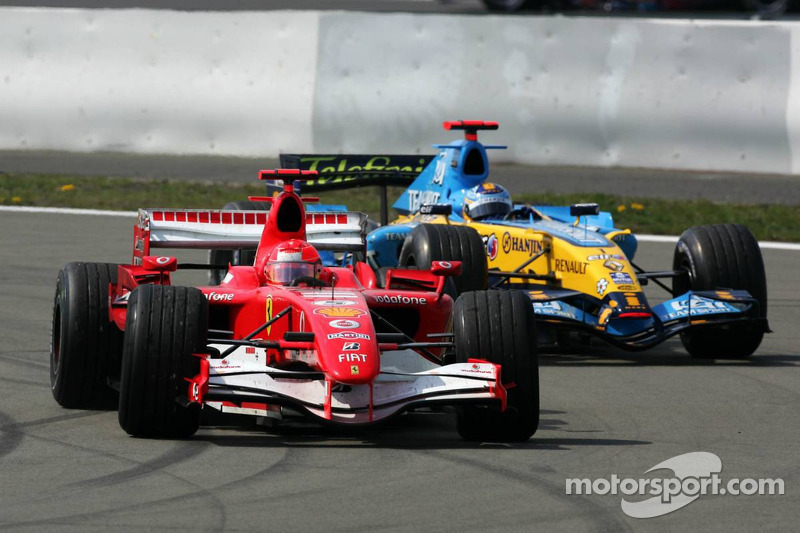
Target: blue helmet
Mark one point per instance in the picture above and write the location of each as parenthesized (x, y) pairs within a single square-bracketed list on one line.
[(487, 200)]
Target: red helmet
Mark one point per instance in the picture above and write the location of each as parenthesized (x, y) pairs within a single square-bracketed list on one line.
[(290, 260)]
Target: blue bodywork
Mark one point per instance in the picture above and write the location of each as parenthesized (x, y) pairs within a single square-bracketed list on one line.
[(623, 320)]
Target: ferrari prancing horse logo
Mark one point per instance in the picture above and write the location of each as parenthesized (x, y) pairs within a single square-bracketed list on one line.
[(269, 312)]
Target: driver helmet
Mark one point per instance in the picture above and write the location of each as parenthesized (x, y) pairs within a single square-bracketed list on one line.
[(487, 200), (291, 260)]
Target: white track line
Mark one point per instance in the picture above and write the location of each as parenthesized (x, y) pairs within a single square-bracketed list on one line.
[(67, 211), (768, 245)]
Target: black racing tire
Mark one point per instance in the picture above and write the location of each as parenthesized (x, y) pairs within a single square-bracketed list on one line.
[(721, 256), (85, 346), (499, 326), (165, 326), (512, 5), (241, 256), (442, 242)]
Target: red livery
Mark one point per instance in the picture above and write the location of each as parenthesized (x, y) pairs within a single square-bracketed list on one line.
[(287, 335)]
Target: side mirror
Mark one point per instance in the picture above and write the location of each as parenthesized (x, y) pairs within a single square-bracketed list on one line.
[(160, 263), (436, 209), (578, 210), (446, 268)]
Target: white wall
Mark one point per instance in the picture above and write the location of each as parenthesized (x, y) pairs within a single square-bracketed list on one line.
[(157, 81), (708, 95)]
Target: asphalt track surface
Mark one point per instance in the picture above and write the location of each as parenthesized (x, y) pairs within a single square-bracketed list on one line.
[(603, 412)]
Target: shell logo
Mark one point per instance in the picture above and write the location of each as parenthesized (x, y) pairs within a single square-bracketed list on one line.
[(339, 312)]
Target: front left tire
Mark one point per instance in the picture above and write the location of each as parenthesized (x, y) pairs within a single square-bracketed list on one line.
[(85, 346), (499, 326), (722, 256)]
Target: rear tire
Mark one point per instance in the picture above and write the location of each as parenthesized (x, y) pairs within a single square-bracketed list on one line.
[(498, 326), (242, 256), (165, 326), (721, 256), (85, 346), (441, 242)]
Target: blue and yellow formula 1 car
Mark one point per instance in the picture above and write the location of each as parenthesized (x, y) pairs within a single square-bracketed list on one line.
[(577, 268)]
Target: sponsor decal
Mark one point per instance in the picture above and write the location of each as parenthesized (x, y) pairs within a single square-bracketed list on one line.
[(602, 285), (520, 244), (537, 295), (492, 246), (479, 369), (353, 357), (345, 312), (354, 370), (269, 313), (394, 236), (162, 260), (603, 257), (228, 277), (614, 265), (334, 303), (139, 245), (631, 300), (401, 300), (626, 287), (348, 335), (344, 324), (445, 264), (621, 278), (323, 164), (573, 267), (552, 309), (351, 346), (698, 306), (417, 198), (219, 297), (302, 321)]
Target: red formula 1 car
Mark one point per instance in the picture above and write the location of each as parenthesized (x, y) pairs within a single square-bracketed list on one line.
[(286, 335)]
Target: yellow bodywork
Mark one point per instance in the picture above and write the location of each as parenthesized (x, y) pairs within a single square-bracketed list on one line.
[(578, 268)]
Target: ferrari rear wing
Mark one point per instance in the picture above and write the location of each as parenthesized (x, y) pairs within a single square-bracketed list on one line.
[(216, 229)]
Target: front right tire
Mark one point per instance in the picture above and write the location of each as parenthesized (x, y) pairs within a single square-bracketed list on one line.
[(165, 326)]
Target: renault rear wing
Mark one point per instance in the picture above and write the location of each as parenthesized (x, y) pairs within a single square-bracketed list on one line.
[(216, 229)]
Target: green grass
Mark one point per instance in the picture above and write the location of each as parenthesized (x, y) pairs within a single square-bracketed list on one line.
[(642, 215)]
